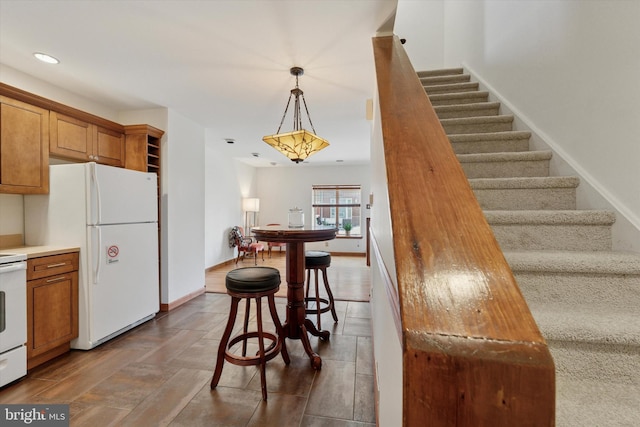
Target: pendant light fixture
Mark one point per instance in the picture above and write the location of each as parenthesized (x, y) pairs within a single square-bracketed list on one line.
[(300, 143)]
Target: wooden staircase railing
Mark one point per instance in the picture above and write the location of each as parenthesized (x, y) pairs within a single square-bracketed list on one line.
[(472, 354)]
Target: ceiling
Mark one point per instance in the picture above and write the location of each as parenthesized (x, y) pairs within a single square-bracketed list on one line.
[(222, 64)]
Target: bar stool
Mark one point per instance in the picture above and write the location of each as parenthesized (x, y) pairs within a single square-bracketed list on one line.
[(251, 283), (318, 260)]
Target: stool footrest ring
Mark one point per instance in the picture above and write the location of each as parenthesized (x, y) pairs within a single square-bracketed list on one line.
[(324, 309), (269, 353)]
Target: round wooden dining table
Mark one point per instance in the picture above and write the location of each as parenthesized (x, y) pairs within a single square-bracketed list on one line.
[(297, 326)]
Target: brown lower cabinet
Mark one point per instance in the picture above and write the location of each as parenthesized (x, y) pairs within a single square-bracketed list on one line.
[(52, 306)]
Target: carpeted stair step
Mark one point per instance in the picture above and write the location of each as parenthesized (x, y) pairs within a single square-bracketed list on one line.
[(596, 354), (477, 124), (585, 305), (459, 98), (491, 142), (567, 230), (452, 88), (479, 109), (604, 285), (583, 295), (547, 193), (599, 280), (581, 402), (590, 344), (597, 357), (445, 79), (442, 72), (505, 165)]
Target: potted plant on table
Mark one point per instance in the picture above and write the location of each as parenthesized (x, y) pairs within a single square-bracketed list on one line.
[(347, 227)]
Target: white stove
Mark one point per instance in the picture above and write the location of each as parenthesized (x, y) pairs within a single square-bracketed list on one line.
[(13, 317)]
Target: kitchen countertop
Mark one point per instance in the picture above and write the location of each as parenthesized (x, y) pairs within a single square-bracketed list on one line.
[(39, 251)]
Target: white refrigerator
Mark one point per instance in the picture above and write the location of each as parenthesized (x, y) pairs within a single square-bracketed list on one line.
[(111, 215)]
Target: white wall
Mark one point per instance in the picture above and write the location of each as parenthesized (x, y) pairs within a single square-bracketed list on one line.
[(12, 205), (283, 188), (11, 214), (202, 190), (227, 181), (387, 346), (23, 81), (183, 201), (421, 23), (570, 70), (183, 194), (182, 184)]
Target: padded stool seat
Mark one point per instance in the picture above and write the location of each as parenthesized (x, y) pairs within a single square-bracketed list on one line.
[(253, 279), (319, 260), (251, 283)]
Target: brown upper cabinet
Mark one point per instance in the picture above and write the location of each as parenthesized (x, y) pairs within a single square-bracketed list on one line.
[(33, 128), (142, 144), (75, 139), (24, 148)]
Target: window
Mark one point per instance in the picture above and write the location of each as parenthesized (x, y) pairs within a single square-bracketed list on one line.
[(338, 205)]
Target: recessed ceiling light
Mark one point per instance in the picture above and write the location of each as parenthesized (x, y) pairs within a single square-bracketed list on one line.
[(255, 154), (230, 141), (339, 161), (46, 58)]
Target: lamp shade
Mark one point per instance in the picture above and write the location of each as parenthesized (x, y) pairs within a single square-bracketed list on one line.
[(251, 204), (297, 145)]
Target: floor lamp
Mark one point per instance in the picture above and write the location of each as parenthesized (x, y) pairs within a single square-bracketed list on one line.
[(251, 207)]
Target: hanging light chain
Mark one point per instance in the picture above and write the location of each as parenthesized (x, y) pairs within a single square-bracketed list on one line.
[(297, 117), (304, 101), (308, 116), (297, 120), (285, 113)]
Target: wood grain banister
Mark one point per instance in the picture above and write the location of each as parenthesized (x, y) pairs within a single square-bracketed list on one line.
[(472, 352)]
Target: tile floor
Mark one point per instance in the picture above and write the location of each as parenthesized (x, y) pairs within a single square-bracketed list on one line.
[(159, 374)]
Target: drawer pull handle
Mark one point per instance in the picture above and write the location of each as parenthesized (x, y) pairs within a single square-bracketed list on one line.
[(60, 264), (56, 279)]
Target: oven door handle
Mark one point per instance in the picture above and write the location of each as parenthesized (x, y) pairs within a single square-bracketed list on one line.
[(3, 310), (13, 267)]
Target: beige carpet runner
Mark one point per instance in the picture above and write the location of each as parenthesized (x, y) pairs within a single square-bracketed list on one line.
[(584, 296)]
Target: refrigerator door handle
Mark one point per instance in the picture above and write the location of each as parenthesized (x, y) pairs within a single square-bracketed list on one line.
[(96, 268), (96, 185)]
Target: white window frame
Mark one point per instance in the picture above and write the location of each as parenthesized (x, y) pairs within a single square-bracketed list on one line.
[(336, 206)]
